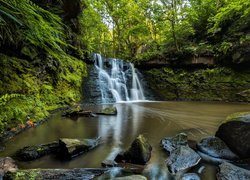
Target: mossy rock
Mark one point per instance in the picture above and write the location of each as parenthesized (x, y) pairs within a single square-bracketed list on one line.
[(39, 174), (239, 116), (34, 152), (138, 153), (108, 111)]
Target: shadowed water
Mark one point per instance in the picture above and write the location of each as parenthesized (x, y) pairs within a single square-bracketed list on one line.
[(153, 119)]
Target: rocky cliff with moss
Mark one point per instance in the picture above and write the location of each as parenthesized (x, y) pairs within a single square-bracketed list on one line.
[(41, 58), (214, 84)]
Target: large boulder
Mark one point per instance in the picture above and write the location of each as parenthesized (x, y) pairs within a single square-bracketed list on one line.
[(181, 159), (34, 152), (229, 171), (138, 153), (7, 164), (215, 147), (235, 132), (171, 143), (70, 148)]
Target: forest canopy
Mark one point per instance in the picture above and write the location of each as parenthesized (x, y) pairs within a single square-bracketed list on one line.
[(144, 29)]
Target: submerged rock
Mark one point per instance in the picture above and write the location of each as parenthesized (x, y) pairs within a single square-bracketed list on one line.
[(236, 135), (7, 164), (182, 159), (229, 171), (70, 148), (171, 143), (60, 174), (215, 147), (108, 111), (138, 153), (34, 152), (190, 176)]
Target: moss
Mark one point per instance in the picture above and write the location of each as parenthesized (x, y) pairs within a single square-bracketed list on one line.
[(204, 84), (38, 72), (239, 116), (24, 174), (35, 96)]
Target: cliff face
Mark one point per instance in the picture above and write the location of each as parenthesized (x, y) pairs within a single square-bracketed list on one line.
[(41, 61), (216, 84)]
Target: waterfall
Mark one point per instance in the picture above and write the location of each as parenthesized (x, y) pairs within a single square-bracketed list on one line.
[(118, 80)]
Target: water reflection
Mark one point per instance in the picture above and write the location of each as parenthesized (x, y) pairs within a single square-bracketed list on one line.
[(153, 119)]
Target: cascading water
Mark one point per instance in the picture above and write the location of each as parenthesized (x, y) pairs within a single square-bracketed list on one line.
[(121, 83)]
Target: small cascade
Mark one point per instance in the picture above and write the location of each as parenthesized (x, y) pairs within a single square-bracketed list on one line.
[(118, 80)]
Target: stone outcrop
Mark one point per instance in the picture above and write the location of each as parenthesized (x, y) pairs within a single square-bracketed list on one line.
[(7, 164), (229, 171), (70, 148), (171, 143), (34, 152), (236, 134), (181, 159), (138, 153), (215, 147)]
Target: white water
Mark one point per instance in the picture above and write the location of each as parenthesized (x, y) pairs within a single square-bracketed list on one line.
[(118, 84)]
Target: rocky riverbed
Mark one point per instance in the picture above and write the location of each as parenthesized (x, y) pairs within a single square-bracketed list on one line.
[(185, 158)]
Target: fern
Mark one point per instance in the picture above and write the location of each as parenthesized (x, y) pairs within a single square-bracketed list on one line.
[(7, 97)]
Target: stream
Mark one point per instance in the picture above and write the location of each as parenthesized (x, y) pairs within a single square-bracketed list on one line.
[(153, 119)]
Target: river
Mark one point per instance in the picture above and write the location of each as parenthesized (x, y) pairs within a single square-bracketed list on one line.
[(153, 119)]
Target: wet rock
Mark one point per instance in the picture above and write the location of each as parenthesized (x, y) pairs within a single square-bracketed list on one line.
[(210, 159), (110, 160), (34, 152), (70, 148), (241, 116), (190, 176), (7, 164), (244, 163), (72, 113), (215, 147), (131, 168), (171, 143), (108, 111), (236, 135), (229, 171), (60, 174), (132, 177), (138, 153), (182, 159)]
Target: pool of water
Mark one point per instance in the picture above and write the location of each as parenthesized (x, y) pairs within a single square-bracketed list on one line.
[(153, 119)]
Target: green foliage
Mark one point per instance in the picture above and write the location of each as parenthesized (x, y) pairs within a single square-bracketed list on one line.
[(196, 27), (18, 107), (38, 74), (233, 12), (30, 25), (204, 84)]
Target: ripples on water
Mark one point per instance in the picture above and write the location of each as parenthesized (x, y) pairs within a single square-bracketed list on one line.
[(153, 119)]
